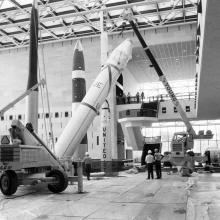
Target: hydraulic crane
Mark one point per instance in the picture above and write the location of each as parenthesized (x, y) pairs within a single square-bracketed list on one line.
[(182, 141), (27, 92)]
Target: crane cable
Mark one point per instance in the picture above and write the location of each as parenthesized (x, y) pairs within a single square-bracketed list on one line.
[(47, 96), (42, 101), (47, 101), (41, 87)]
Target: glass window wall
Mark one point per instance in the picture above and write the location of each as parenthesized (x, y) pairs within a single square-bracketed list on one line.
[(167, 129)]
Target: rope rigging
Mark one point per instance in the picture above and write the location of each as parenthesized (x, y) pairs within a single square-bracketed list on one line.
[(50, 140)]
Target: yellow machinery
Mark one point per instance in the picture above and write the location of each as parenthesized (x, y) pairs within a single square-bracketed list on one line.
[(25, 160)]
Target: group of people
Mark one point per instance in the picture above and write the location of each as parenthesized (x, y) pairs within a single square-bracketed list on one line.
[(152, 160), (127, 99)]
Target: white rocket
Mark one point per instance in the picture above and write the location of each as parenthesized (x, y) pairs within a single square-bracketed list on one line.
[(32, 99), (78, 91), (90, 105)]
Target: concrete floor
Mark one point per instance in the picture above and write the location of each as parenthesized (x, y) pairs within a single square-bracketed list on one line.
[(128, 196)]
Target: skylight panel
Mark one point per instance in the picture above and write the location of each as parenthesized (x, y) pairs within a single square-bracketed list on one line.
[(82, 28), (119, 22), (169, 16), (178, 4), (43, 13), (112, 1), (21, 16), (59, 31), (93, 15), (44, 34), (22, 37), (179, 14), (145, 8), (116, 12), (52, 23), (109, 24), (3, 20), (24, 2), (5, 40), (11, 29), (164, 5), (148, 18), (73, 19), (190, 13), (7, 4), (26, 26), (65, 8), (192, 1)]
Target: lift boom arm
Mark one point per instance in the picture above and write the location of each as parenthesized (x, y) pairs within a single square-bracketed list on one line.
[(163, 79), (10, 105)]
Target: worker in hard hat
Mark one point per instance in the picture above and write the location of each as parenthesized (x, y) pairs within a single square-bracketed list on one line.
[(158, 157), (15, 133), (88, 164), (149, 161)]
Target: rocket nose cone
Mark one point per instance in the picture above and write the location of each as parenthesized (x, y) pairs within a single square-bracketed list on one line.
[(78, 46), (35, 4), (126, 47), (121, 54), (78, 57)]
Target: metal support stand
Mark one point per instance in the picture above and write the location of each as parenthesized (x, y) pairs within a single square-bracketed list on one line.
[(80, 176)]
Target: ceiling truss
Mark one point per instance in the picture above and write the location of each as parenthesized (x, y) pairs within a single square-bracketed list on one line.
[(68, 19)]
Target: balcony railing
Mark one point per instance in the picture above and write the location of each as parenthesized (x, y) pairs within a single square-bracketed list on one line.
[(138, 113), (125, 100), (162, 97)]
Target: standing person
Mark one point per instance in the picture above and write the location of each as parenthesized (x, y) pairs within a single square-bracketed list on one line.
[(128, 98), (149, 161), (138, 97), (142, 97), (74, 163), (118, 100), (51, 142), (207, 154), (124, 98), (88, 164), (158, 157)]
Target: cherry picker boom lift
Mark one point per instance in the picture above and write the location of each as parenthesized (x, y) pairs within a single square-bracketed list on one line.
[(26, 93), (182, 141), (13, 172)]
